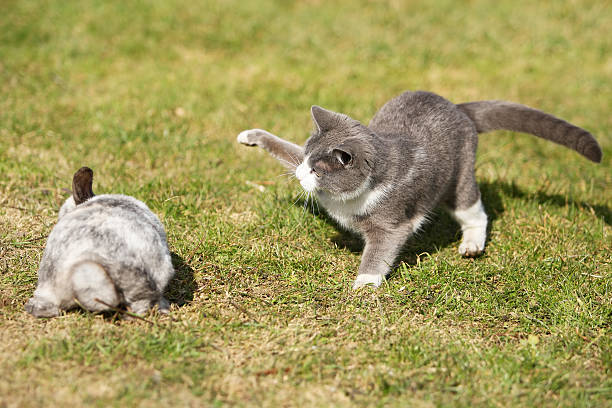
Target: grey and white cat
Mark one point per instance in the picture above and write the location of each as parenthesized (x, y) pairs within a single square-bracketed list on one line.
[(104, 250), (418, 152)]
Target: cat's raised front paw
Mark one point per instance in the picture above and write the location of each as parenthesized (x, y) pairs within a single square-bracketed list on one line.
[(368, 280), (470, 249), (250, 137)]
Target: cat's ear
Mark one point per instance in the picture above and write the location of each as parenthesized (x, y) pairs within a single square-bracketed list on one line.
[(343, 156), (81, 185), (325, 119)]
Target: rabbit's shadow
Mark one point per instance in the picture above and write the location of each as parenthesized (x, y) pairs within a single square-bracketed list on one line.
[(179, 292), (181, 288)]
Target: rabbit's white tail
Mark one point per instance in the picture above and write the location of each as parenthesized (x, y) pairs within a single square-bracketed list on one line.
[(92, 287)]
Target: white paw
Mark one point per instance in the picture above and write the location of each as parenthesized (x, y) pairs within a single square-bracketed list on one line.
[(41, 308), (163, 305), (367, 279), (470, 248), (249, 137)]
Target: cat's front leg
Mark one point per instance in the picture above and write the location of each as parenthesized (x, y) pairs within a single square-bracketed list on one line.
[(381, 249), (289, 154)]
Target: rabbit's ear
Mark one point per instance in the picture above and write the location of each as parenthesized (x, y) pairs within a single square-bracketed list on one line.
[(81, 185)]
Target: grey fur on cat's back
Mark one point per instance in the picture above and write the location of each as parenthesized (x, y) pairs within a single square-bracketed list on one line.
[(418, 152), (104, 251)]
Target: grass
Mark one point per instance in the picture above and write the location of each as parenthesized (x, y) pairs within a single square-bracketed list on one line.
[(152, 94)]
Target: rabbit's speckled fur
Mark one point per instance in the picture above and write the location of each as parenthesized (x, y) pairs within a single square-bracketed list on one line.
[(105, 250)]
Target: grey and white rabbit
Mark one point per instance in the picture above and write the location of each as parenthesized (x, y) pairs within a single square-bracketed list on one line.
[(105, 250)]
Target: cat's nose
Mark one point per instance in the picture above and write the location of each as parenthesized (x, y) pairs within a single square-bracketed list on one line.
[(302, 171), (306, 177)]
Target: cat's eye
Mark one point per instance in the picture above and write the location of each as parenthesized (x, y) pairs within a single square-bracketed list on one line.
[(343, 157)]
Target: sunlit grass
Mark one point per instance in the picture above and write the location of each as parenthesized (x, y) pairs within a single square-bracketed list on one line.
[(152, 94)]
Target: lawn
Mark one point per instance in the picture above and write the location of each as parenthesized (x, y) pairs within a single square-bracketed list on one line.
[(151, 96)]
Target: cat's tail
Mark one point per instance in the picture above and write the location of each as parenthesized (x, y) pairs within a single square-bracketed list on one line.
[(492, 115)]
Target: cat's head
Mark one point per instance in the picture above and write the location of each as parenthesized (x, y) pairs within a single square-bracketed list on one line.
[(338, 157), (81, 190)]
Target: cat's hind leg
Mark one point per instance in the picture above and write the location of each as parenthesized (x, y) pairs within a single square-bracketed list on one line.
[(289, 154), (473, 222), (466, 206)]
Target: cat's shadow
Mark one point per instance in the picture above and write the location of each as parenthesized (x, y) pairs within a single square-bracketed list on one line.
[(512, 190), (442, 231)]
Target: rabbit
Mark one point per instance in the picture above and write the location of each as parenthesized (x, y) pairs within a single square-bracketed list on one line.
[(104, 252)]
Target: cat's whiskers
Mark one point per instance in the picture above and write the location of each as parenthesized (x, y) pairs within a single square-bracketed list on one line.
[(296, 162), (312, 201), (292, 165), (305, 204), (298, 198), (289, 174)]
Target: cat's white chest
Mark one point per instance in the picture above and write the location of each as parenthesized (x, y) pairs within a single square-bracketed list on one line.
[(345, 211)]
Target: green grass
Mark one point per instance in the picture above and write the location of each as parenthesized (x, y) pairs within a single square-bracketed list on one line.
[(152, 94)]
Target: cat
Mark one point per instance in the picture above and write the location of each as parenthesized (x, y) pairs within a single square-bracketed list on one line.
[(383, 180), (105, 251)]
